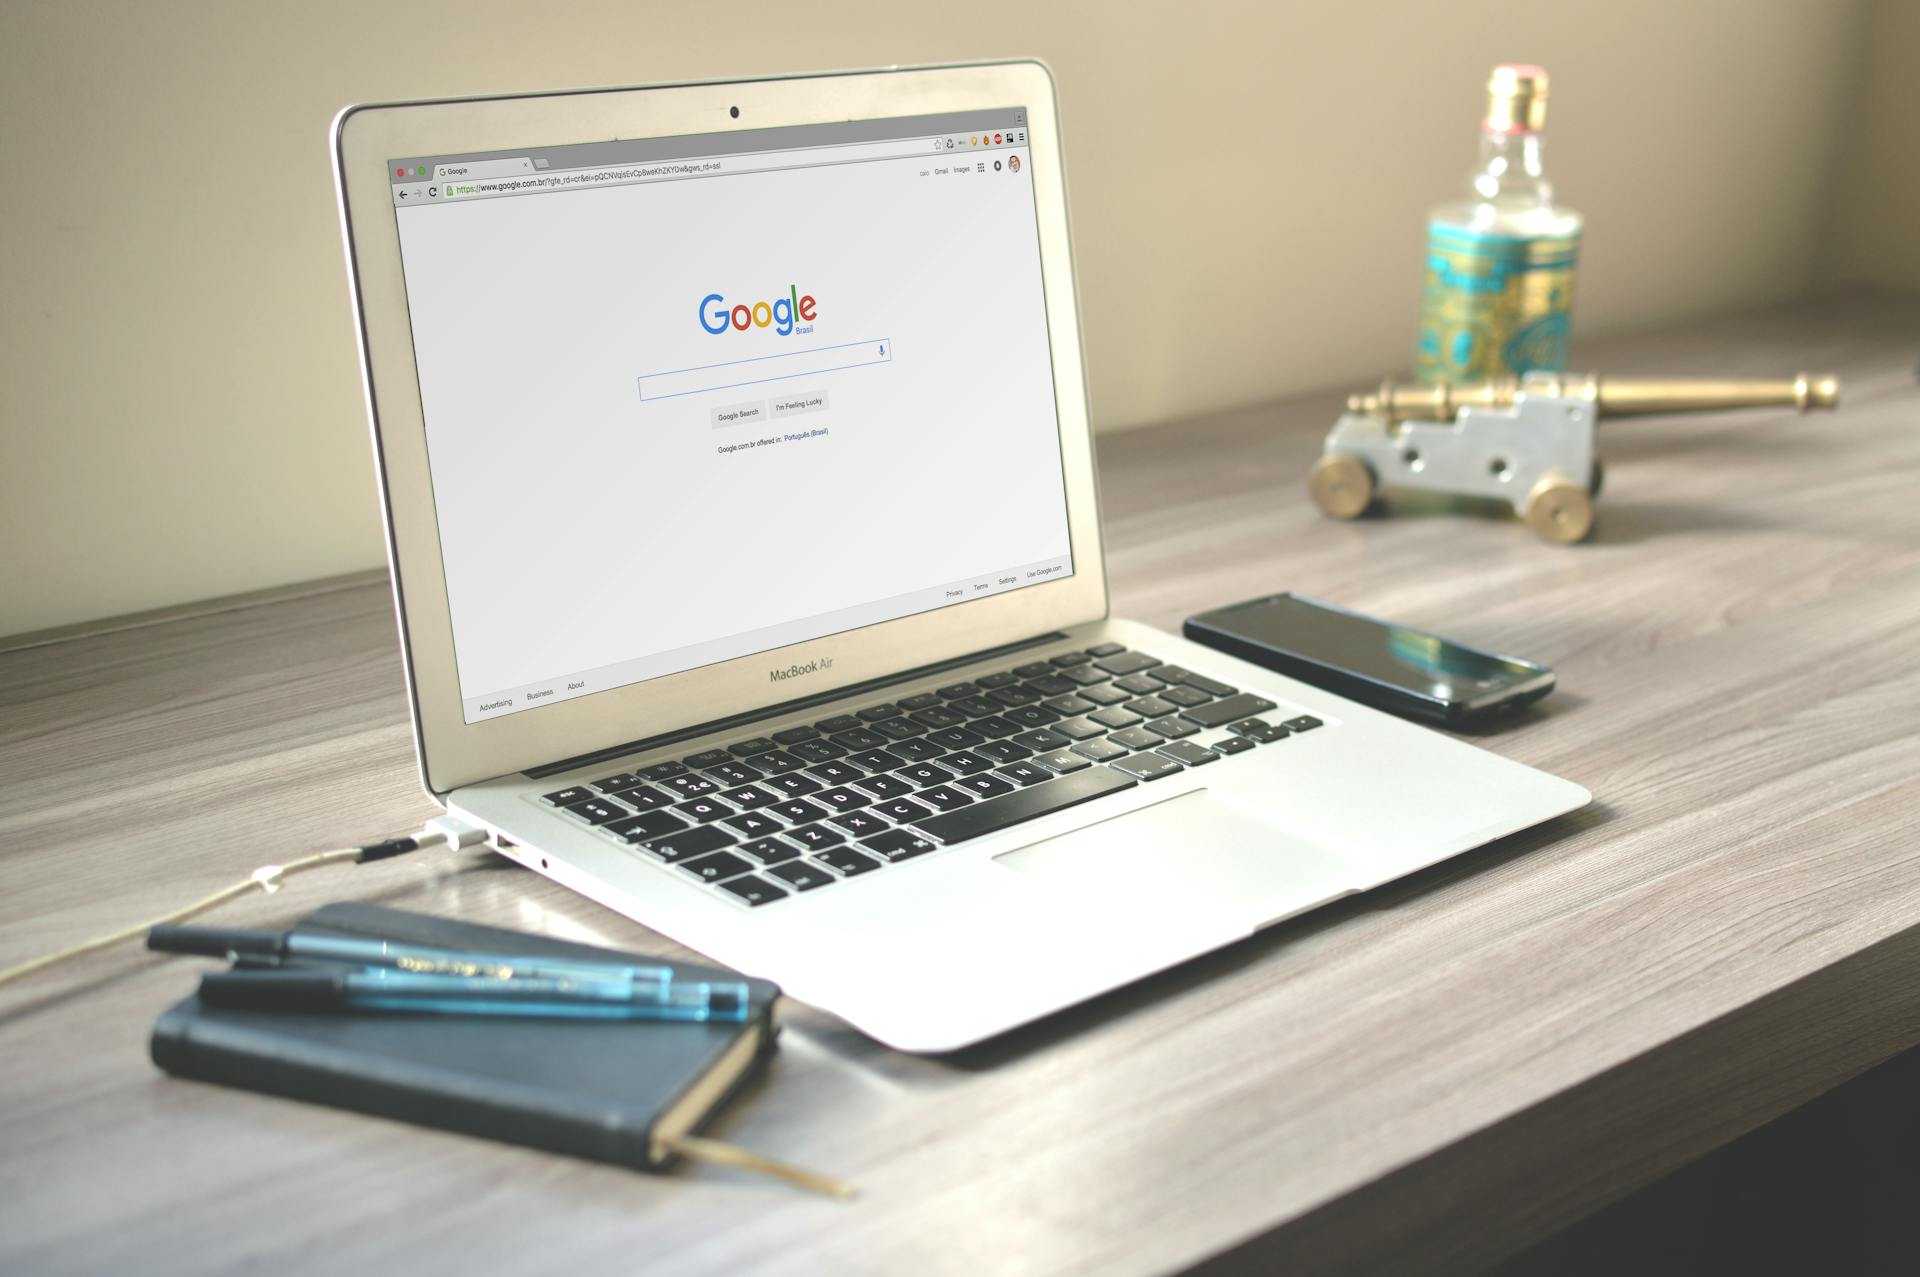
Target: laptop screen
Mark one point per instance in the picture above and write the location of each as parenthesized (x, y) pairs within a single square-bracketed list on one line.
[(692, 398)]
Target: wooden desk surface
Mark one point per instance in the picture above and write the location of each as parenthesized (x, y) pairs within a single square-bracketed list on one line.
[(1435, 1073)]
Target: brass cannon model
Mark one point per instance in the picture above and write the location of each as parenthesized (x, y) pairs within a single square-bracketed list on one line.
[(1528, 442)]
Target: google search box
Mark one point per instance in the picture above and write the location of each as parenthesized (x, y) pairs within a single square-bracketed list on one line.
[(765, 368)]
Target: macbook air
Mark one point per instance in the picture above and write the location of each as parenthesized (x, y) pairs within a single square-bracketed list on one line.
[(735, 454)]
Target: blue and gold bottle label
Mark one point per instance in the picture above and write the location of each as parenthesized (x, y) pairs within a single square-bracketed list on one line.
[(1495, 305)]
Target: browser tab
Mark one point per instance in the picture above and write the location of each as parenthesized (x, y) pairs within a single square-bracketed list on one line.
[(483, 168)]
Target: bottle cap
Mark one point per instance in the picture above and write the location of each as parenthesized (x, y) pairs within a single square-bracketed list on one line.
[(1516, 99)]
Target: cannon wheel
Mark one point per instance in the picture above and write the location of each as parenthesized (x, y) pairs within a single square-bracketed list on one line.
[(1558, 509), (1342, 485)]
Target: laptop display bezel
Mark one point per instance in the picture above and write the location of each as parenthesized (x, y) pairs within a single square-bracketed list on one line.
[(454, 752)]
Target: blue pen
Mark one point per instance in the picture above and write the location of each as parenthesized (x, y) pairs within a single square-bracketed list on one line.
[(385, 989)]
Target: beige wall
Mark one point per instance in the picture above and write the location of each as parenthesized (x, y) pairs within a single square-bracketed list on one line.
[(1877, 236), (177, 382)]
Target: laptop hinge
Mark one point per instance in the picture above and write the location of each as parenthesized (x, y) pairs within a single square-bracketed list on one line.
[(784, 707)]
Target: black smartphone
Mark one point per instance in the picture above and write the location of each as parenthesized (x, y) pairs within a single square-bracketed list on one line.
[(1377, 663)]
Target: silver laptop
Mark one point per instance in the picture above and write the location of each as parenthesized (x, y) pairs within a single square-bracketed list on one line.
[(739, 485)]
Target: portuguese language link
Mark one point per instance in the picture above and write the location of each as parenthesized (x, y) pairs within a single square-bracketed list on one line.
[(767, 441)]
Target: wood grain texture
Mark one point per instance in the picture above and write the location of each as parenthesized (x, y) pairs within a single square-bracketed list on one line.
[(1427, 1076)]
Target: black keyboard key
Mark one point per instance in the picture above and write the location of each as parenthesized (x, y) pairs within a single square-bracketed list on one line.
[(716, 867), (769, 851), (1101, 751), (748, 797), (801, 876), (778, 760), (753, 824), (1222, 712), (1041, 740), (1010, 809), (838, 773), (794, 784), (1261, 733), (974, 706), (884, 786), (966, 762), (815, 837), (1069, 660), (1136, 738), (648, 824), (1173, 727), (955, 738), (1147, 766), (816, 751), (734, 773), (1304, 723), (904, 811), (1231, 745), (897, 729), (798, 811), (567, 797), (1062, 760), (992, 681), (939, 716), (750, 747), (1033, 669), (861, 824), (859, 738), (755, 891), (1107, 694), (847, 862), (992, 727), (596, 811), (898, 844), (1152, 707), (924, 774), (1185, 751), (1071, 706), (1018, 694), (1050, 685), (838, 723), (1079, 729), (1211, 686), (701, 810), (707, 758), (840, 798), (877, 713), (1105, 649), (954, 691), (663, 771), (1086, 675), (1126, 663), (692, 842), (1024, 773), (944, 797), (614, 784), (1030, 716), (1114, 716), (878, 760), (1003, 751), (917, 751), (987, 785), (690, 786), (925, 700), (1184, 697), (794, 735), (646, 798), (1139, 684)]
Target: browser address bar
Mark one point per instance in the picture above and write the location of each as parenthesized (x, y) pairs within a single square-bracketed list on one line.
[(670, 170)]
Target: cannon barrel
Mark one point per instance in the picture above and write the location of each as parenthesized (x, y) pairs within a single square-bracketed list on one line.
[(1610, 396)]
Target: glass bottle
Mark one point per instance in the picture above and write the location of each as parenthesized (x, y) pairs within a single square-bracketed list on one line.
[(1498, 299)]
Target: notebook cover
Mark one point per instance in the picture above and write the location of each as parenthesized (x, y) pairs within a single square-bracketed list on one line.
[(587, 1089)]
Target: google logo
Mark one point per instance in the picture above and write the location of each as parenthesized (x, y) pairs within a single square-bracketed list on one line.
[(716, 317)]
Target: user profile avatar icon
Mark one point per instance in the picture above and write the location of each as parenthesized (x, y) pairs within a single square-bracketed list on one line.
[(1013, 162)]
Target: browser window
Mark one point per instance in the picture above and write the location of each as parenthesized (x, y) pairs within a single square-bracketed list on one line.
[(687, 399)]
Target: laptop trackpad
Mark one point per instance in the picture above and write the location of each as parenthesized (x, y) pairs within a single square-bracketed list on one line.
[(1194, 850)]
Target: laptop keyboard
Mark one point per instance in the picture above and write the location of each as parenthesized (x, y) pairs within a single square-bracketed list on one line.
[(806, 807)]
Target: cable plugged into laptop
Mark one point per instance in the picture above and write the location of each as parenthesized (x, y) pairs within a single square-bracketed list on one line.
[(442, 831)]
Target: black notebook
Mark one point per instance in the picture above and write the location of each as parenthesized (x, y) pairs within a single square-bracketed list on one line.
[(624, 1092)]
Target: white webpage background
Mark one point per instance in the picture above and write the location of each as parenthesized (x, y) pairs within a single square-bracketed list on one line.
[(581, 527)]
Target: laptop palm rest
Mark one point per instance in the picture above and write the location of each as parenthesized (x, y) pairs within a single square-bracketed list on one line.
[(1193, 851)]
